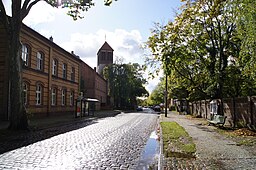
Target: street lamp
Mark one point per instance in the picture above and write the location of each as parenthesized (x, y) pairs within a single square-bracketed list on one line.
[(165, 95)]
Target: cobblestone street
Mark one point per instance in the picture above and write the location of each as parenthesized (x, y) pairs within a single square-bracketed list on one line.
[(110, 143)]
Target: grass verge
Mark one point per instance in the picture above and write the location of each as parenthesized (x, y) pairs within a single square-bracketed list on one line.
[(176, 141)]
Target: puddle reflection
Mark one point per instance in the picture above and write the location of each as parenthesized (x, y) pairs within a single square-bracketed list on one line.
[(149, 158)]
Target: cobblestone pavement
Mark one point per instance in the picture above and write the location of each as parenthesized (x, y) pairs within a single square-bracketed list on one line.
[(111, 143), (214, 151)]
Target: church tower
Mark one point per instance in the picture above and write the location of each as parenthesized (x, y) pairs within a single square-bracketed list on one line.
[(105, 57)]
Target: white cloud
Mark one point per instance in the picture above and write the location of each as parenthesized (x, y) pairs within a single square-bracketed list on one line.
[(152, 83), (125, 44), (42, 13)]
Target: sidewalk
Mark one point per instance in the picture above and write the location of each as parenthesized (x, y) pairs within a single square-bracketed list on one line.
[(58, 120), (214, 150)]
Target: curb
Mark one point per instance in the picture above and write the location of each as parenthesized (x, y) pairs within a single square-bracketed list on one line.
[(161, 154)]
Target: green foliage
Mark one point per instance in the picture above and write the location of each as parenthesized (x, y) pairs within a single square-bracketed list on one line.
[(201, 50), (125, 84), (157, 95), (246, 24)]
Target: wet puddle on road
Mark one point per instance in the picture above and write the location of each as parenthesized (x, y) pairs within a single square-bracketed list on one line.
[(150, 155)]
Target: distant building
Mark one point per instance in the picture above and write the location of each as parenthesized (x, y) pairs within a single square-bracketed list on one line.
[(93, 85), (105, 57)]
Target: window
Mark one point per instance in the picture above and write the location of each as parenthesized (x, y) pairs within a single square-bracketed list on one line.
[(39, 61), (103, 55), (39, 90), (109, 56), (63, 97), (25, 93), (25, 54), (73, 74), (54, 67), (64, 71), (71, 98), (54, 96)]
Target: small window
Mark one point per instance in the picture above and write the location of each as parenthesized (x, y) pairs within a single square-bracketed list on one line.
[(54, 96), (25, 54), (25, 93), (103, 56), (54, 67), (109, 56), (71, 98), (64, 71), (39, 92), (63, 97), (73, 74), (39, 61)]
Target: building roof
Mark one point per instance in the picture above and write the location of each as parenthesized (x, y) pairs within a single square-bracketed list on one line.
[(106, 46), (49, 41)]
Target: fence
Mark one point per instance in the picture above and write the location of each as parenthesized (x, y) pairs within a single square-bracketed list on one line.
[(240, 112)]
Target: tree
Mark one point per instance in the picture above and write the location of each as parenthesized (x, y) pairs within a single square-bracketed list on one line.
[(245, 20), (19, 10), (125, 84), (157, 95), (198, 45)]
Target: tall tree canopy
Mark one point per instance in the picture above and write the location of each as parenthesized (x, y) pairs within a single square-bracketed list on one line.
[(125, 84), (12, 24), (201, 48), (246, 24)]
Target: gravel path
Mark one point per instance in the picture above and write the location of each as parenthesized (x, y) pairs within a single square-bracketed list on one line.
[(214, 151)]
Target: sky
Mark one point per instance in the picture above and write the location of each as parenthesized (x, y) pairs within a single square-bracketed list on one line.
[(125, 25)]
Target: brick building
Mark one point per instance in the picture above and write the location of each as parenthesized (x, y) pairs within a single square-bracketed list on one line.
[(51, 76), (104, 57), (93, 85)]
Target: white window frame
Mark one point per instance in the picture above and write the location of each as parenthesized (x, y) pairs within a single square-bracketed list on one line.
[(73, 74), (25, 54), (54, 96), (63, 97), (39, 61), (25, 93), (64, 70), (71, 98), (39, 89), (54, 67)]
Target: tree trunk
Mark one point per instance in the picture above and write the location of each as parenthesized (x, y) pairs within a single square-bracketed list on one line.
[(18, 116)]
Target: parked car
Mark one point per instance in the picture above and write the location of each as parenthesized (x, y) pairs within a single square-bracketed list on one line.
[(139, 108), (157, 108)]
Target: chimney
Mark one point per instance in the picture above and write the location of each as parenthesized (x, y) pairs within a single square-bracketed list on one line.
[(94, 69), (51, 39)]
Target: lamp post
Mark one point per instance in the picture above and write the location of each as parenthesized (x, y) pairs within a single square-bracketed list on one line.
[(165, 95)]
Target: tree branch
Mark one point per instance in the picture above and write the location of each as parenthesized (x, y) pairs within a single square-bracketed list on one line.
[(189, 78), (27, 7)]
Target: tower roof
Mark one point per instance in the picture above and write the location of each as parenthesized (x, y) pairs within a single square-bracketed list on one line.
[(106, 46)]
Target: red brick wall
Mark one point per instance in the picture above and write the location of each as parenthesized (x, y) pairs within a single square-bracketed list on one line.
[(239, 111)]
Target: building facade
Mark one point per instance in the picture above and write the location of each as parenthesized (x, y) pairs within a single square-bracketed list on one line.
[(93, 85), (50, 75)]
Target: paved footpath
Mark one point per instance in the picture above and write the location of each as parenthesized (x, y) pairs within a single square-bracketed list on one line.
[(110, 143), (214, 151)]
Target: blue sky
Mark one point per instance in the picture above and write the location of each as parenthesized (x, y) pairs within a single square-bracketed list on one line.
[(125, 25)]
